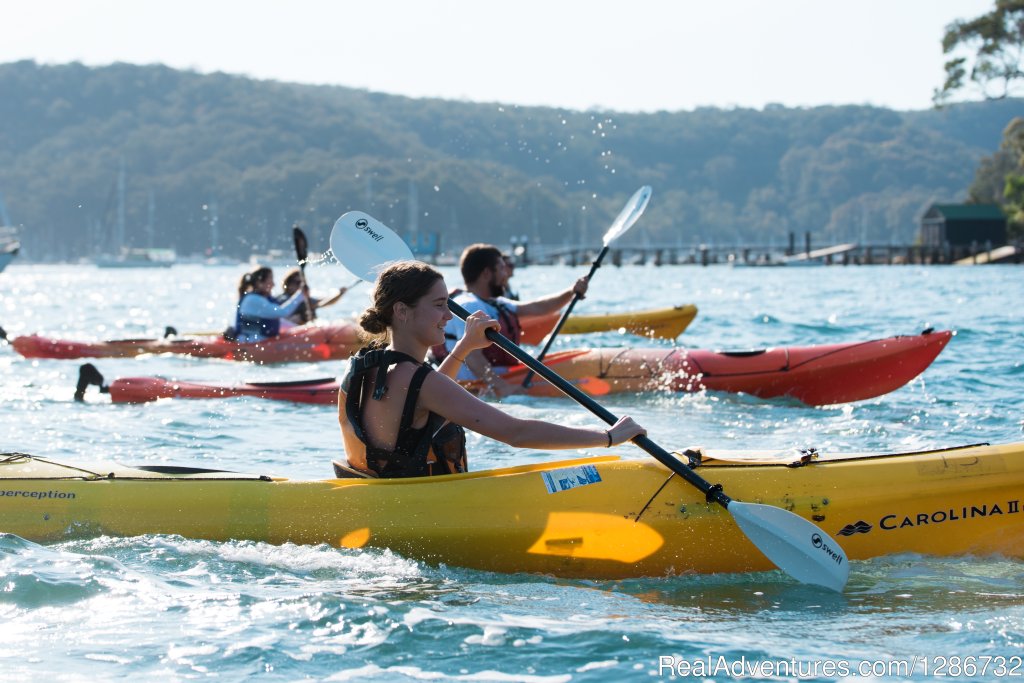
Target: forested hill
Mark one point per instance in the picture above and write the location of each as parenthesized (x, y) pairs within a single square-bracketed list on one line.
[(237, 161)]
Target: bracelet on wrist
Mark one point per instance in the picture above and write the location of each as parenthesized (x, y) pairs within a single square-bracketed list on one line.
[(608, 433), (461, 360)]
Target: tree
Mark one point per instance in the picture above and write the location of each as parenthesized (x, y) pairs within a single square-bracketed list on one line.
[(1013, 190), (997, 40), (999, 178)]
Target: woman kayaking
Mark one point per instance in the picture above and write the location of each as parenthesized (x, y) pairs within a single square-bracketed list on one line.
[(293, 283), (401, 418), (258, 316)]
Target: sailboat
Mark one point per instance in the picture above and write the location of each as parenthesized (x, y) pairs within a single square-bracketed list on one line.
[(9, 244), (134, 257)]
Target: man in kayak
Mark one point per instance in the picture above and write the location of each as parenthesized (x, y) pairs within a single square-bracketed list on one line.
[(292, 284), (258, 315), (485, 273), (401, 418)]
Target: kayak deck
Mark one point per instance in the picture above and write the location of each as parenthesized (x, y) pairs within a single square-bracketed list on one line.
[(603, 517)]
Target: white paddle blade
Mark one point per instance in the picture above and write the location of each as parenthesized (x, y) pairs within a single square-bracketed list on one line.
[(366, 246), (629, 215), (795, 545)]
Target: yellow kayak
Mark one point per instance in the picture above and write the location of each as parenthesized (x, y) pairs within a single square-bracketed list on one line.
[(660, 323), (663, 323), (599, 517)]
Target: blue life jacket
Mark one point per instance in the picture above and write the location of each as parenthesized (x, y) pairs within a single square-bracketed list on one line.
[(258, 327)]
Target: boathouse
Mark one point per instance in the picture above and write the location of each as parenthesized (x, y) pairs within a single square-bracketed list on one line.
[(945, 226)]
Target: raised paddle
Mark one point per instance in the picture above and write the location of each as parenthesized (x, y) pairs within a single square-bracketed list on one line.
[(796, 546), (301, 253), (629, 215)]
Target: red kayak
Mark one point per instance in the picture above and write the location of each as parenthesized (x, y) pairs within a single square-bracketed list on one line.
[(334, 342), (815, 375), (305, 343), (143, 389)]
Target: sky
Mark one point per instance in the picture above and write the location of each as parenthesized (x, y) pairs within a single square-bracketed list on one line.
[(628, 55)]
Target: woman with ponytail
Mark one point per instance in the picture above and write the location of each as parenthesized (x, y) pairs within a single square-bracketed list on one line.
[(401, 418), (258, 316)]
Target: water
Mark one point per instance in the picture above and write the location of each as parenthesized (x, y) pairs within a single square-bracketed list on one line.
[(179, 609)]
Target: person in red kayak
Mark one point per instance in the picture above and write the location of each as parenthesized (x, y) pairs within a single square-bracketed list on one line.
[(401, 418), (258, 315), (293, 283), (485, 272)]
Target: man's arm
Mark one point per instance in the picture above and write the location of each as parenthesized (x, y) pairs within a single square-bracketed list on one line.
[(554, 302)]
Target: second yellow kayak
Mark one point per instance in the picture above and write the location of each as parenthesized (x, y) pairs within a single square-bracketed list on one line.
[(660, 323)]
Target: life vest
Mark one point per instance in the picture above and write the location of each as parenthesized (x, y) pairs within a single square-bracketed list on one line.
[(510, 328), (508, 325), (262, 328), (439, 447)]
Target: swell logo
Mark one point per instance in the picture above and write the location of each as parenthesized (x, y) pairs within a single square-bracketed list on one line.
[(364, 225), (860, 527), (818, 542)]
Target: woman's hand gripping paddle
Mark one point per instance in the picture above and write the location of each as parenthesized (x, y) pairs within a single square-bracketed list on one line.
[(365, 246), (629, 215)]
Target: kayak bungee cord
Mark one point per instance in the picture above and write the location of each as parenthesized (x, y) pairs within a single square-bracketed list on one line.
[(12, 458)]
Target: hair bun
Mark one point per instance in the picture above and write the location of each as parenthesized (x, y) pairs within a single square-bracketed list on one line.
[(372, 322)]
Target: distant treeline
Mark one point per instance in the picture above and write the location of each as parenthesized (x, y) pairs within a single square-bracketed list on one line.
[(225, 162)]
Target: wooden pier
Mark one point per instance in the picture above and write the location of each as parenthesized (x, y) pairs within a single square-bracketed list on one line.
[(842, 254)]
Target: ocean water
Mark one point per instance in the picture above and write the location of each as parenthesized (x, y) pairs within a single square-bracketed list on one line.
[(181, 609)]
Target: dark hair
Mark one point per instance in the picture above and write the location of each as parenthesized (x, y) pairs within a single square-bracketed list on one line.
[(476, 258), (406, 282), (249, 280), (293, 275)]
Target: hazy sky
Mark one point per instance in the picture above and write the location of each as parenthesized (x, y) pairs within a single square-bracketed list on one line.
[(630, 55)]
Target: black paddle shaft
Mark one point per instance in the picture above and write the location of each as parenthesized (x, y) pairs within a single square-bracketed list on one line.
[(565, 316), (713, 492), (301, 253)]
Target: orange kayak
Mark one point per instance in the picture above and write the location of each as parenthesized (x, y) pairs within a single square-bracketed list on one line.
[(814, 375)]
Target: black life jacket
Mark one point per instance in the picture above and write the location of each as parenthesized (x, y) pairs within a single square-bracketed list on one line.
[(439, 447)]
